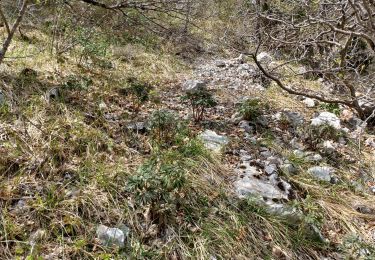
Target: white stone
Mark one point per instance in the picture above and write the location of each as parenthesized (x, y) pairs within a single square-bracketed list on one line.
[(370, 142), (254, 186), (264, 58), (213, 141), (103, 106), (329, 146), (326, 118), (309, 102), (321, 172), (314, 158), (241, 58), (288, 168), (193, 85), (220, 63), (110, 236)]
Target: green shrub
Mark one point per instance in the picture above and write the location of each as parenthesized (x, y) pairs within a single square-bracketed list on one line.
[(355, 248), (333, 108), (74, 82), (4, 110), (164, 126), (323, 132), (251, 109), (315, 135), (140, 91), (199, 101), (91, 43), (158, 185)]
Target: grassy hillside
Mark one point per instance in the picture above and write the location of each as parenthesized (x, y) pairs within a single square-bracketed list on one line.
[(72, 157)]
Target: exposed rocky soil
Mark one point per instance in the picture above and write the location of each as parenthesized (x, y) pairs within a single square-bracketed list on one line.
[(262, 171)]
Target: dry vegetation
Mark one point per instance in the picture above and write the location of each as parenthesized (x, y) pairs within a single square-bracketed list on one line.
[(69, 160)]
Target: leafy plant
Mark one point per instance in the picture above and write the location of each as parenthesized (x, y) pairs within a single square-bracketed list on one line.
[(164, 126), (78, 83), (92, 44), (157, 184), (317, 134), (355, 248), (140, 91), (250, 109), (333, 108), (199, 100)]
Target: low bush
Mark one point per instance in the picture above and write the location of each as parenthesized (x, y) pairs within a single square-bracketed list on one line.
[(199, 100), (251, 109), (164, 126), (139, 91)]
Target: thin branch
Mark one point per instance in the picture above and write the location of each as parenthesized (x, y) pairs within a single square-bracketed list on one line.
[(4, 20), (16, 24), (292, 91)]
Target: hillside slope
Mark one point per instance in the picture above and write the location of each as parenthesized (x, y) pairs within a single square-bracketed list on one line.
[(101, 159)]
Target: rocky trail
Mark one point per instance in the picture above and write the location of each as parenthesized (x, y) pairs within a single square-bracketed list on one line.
[(264, 171)]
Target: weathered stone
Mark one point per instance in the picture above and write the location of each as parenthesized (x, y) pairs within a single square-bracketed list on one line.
[(265, 153), (254, 186), (53, 93), (288, 169), (309, 102), (110, 236), (329, 146), (220, 64), (288, 213), (298, 153), (139, 127), (270, 169), (37, 237), (20, 207), (368, 105), (315, 157), (262, 120), (193, 85), (294, 118), (323, 173), (213, 141), (103, 105), (342, 140), (245, 125), (370, 142), (326, 118), (274, 160), (365, 210), (241, 59), (297, 144), (264, 58), (246, 69)]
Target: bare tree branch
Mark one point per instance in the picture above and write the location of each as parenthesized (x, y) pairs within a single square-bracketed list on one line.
[(12, 31)]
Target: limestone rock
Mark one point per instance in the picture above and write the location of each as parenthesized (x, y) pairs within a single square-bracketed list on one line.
[(213, 141), (309, 102), (220, 64), (326, 118), (53, 94), (288, 169), (110, 236), (264, 58), (323, 173), (193, 85)]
